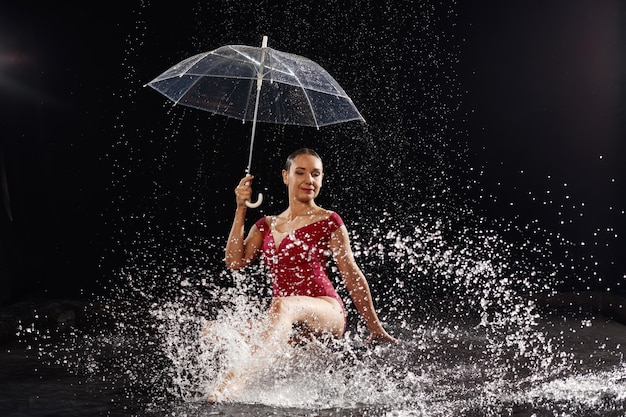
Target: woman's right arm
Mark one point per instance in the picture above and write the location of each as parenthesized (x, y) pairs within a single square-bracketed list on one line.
[(241, 252)]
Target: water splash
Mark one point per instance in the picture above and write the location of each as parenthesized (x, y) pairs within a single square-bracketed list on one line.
[(472, 339)]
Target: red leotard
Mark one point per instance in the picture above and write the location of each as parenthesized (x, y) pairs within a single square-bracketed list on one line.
[(299, 265)]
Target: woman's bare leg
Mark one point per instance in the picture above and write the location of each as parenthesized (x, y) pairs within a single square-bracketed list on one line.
[(318, 315)]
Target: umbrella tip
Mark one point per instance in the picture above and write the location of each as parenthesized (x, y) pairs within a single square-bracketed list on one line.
[(264, 43)]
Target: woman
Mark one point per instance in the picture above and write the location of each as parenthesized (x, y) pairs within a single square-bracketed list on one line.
[(296, 245)]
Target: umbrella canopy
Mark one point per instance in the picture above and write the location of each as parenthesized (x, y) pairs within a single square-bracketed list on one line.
[(258, 84)]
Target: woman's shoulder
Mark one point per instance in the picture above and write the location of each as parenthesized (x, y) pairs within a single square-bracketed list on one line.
[(322, 214), (261, 223), (333, 217)]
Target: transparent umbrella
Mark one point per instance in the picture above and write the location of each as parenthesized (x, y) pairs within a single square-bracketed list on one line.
[(258, 84)]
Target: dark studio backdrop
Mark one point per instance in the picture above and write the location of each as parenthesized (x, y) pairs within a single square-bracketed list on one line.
[(517, 106)]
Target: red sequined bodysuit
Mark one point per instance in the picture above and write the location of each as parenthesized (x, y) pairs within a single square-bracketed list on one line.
[(298, 266)]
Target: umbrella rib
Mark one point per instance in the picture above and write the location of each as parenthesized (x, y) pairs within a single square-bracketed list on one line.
[(304, 91), (248, 57), (200, 57), (204, 75), (266, 68)]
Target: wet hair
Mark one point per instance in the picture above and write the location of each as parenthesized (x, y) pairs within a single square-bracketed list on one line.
[(295, 154)]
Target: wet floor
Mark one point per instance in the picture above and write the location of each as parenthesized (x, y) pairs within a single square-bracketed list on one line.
[(28, 387)]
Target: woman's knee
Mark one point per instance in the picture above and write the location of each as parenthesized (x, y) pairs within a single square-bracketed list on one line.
[(279, 308)]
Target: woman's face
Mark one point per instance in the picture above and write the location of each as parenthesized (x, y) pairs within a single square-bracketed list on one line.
[(304, 178)]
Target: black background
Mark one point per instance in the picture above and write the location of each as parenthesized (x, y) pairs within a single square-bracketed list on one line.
[(87, 151)]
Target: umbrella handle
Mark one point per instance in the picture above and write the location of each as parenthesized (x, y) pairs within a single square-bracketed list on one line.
[(256, 203)]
